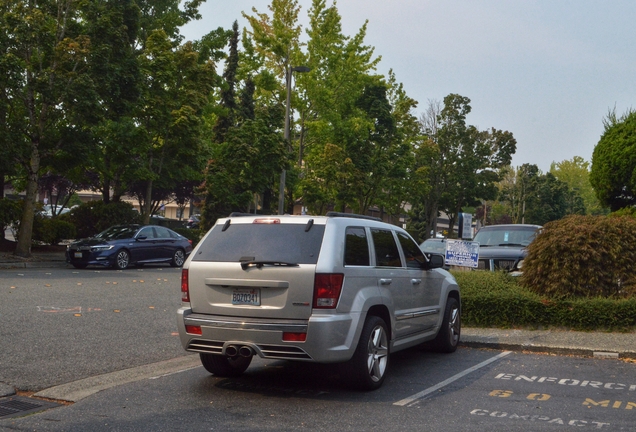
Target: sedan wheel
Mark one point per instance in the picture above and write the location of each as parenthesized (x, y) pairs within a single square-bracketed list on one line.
[(178, 259), (122, 259)]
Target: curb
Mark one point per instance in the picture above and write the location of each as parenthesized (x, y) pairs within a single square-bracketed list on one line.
[(32, 264), (6, 390), (573, 351)]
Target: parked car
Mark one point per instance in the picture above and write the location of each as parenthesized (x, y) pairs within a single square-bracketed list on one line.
[(193, 221), (49, 210), (122, 245), (339, 288), (435, 246), (503, 247)]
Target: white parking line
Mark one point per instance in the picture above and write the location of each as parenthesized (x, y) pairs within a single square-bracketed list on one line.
[(412, 399)]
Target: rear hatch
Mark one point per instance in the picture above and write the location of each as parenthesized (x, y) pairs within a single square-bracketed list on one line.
[(256, 268)]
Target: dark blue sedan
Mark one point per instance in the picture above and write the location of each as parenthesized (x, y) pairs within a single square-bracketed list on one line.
[(122, 245)]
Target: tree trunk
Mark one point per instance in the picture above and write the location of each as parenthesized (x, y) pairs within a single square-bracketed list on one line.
[(25, 235), (2, 178), (148, 203)]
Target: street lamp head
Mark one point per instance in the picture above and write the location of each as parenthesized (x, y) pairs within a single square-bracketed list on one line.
[(300, 68)]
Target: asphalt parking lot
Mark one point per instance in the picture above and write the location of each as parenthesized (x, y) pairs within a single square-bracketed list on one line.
[(107, 339)]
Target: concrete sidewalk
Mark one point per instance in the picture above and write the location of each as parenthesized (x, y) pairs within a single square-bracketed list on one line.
[(564, 342)]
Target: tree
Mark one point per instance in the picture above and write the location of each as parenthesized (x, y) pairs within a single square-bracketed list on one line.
[(427, 175), (536, 198), (178, 85), (45, 59), (613, 173), (576, 173), (114, 29), (248, 149), (343, 101), (466, 163)]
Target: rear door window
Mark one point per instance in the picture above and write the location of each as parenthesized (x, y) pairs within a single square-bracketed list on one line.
[(386, 250), (356, 247), (290, 243)]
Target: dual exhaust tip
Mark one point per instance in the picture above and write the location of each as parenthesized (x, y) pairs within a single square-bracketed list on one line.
[(243, 351)]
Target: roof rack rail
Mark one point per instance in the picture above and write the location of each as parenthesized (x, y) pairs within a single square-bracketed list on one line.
[(353, 215)]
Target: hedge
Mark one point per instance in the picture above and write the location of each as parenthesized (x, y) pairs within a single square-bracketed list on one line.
[(495, 299)]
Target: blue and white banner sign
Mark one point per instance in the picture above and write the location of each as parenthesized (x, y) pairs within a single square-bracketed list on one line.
[(462, 253)]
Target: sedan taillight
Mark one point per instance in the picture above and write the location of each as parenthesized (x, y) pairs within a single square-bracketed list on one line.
[(327, 288), (185, 287)]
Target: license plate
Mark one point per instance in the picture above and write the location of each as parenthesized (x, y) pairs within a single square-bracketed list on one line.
[(250, 297), (78, 255)]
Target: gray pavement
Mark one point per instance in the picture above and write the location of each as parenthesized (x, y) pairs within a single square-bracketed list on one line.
[(555, 342)]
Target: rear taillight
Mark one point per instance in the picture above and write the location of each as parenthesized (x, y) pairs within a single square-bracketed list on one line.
[(185, 288), (194, 330), (327, 287)]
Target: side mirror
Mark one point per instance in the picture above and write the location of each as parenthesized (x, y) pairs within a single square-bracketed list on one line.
[(142, 237), (434, 261)]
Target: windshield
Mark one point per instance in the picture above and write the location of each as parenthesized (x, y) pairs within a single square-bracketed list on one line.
[(434, 246), (506, 236), (118, 232)]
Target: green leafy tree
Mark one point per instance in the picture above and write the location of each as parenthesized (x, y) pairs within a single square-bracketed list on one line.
[(114, 29), (178, 84), (576, 173), (466, 163), (45, 57), (613, 173), (343, 100), (537, 198), (273, 48)]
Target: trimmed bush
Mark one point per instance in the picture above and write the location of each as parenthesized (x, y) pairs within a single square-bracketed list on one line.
[(191, 234), (52, 231), (583, 256), (495, 299), (10, 212), (94, 217)]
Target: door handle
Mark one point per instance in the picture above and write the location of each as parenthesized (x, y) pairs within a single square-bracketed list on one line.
[(416, 281), (385, 281)]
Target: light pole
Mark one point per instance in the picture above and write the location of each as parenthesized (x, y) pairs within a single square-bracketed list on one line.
[(288, 79)]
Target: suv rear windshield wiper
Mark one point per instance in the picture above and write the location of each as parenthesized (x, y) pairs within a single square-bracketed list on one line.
[(259, 264), (510, 244)]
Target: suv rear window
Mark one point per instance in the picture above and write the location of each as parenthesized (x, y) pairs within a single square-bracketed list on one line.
[(262, 242)]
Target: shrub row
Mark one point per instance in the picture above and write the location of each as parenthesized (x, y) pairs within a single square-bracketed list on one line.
[(495, 299)]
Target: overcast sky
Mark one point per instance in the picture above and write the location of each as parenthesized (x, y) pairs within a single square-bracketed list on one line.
[(547, 71)]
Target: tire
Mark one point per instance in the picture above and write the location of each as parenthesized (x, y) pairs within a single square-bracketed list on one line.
[(79, 265), (178, 258), (222, 366), (122, 259), (370, 362), (448, 337)]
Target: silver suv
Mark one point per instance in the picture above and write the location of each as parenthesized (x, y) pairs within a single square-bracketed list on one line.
[(339, 288)]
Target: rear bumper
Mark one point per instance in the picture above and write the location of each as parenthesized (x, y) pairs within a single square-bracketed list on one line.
[(330, 338)]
